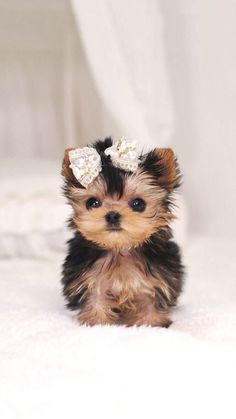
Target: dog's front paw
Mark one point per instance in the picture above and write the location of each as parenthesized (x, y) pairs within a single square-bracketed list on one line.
[(148, 317), (91, 316)]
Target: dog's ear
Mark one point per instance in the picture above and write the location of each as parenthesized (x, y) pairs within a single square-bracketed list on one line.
[(66, 170), (162, 164)]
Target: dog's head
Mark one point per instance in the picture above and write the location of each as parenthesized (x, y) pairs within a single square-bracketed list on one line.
[(121, 209)]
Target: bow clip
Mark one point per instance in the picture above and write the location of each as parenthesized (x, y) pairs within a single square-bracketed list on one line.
[(124, 154), (85, 164)]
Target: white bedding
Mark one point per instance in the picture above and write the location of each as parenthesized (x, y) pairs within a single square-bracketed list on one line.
[(33, 211), (52, 368)]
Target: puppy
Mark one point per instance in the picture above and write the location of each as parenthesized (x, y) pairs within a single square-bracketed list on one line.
[(122, 266)]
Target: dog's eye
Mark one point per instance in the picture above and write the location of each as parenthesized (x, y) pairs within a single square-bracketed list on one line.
[(93, 203), (137, 205)]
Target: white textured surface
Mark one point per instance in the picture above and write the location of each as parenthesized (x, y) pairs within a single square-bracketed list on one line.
[(51, 367), (33, 211)]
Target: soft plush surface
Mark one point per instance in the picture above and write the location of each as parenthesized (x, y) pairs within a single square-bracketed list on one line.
[(53, 368), (32, 208)]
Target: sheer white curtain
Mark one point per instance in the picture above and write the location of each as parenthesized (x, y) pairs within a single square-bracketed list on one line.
[(124, 49), (75, 70)]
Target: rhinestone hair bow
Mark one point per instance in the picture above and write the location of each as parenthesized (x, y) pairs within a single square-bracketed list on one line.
[(124, 154), (85, 162)]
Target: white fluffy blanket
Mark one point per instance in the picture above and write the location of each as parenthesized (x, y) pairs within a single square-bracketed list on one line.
[(53, 368)]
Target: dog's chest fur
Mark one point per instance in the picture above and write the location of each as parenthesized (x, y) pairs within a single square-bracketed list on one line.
[(120, 277)]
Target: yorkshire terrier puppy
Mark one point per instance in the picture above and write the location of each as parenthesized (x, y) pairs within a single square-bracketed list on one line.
[(122, 265)]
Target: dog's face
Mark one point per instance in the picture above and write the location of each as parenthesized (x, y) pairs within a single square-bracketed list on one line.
[(121, 209)]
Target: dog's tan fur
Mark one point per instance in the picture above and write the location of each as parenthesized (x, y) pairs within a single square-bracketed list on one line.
[(119, 290)]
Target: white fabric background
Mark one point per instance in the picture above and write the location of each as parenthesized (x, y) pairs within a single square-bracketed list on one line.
[(124, 47), (93, 51)]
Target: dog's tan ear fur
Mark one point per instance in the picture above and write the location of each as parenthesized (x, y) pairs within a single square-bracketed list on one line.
[(170, 174), (66, 170)]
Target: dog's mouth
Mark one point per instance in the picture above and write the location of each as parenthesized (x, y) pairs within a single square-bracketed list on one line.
[(114, 228)]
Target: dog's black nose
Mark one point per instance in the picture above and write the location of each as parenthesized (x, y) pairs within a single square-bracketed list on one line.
[(113, 217)]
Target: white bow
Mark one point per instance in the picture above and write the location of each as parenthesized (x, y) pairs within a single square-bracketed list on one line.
[(86, 162), (124, 154)]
